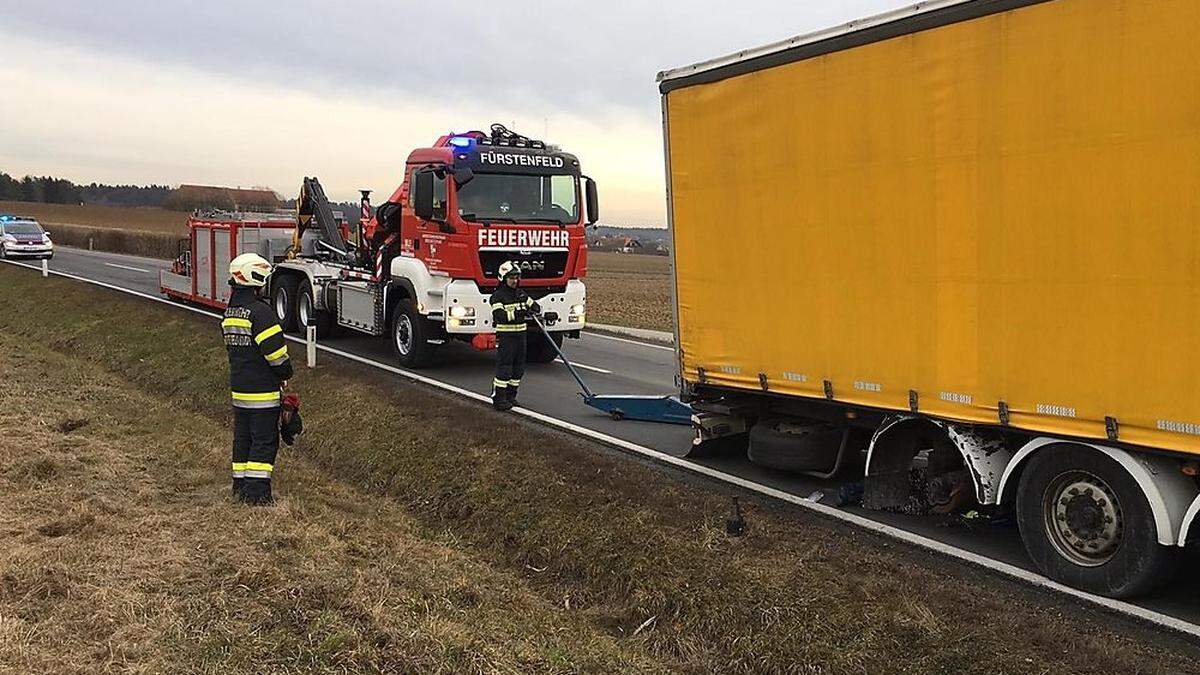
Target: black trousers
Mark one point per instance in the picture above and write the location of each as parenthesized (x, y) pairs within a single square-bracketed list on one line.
[(510, 364), (255, 445)]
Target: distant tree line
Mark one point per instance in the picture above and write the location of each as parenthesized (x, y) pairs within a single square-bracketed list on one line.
[(52, 190)]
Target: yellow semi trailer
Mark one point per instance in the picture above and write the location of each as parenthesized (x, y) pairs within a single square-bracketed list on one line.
[(970, 227)]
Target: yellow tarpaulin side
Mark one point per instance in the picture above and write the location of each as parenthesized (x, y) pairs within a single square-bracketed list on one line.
[(1004, 209)]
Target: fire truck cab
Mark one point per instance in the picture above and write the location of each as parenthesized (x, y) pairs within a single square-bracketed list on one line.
[(421, 266)]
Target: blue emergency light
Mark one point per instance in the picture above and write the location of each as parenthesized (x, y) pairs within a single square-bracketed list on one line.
[(460, 141)]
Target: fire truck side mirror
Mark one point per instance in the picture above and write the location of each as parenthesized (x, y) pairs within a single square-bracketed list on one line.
[(423, 195), (593, 204)]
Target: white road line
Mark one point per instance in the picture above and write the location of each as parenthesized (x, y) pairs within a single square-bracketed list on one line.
[(127, 267), (632, 342), (592, 368), (1119, 606)]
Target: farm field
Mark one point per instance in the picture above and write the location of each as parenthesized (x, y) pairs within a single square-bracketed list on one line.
[(623, 289)]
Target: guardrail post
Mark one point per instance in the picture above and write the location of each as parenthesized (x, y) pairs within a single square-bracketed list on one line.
[(45, 268), (311, 345)]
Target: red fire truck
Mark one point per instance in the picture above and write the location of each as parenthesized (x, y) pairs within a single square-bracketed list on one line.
[(420, 267)]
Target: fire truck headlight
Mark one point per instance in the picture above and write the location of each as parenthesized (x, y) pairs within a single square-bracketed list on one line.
[(577, 309), (460, 312)]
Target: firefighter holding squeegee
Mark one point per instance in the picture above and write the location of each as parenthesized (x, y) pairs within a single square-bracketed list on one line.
[(259, 369)]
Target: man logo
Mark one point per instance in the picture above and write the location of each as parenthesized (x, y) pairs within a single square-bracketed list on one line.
[(533, 265)]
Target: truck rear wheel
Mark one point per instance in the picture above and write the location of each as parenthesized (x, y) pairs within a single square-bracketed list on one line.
[(307, 312), (538, 348), (410, 336), (283, 301), (1087, 524)]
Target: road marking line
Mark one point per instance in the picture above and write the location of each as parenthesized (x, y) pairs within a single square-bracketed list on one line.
[(127, 267), (1003, 568), (593, 368), (632, 342)]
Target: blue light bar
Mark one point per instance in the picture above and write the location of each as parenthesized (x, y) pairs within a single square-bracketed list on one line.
[(460, 141)]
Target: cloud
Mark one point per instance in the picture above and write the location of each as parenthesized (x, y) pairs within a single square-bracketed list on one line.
[(265, 92)]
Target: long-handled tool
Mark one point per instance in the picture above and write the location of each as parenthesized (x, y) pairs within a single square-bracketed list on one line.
[(667, 409)]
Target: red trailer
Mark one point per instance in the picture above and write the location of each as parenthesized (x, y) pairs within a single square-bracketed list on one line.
[(201, 271)]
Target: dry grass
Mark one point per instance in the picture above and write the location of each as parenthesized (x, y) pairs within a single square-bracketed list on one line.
[(629, 290), (138, 219), (615, 543), (124, 553)]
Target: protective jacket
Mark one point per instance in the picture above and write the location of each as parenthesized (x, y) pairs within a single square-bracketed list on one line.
[(258, 358), (510, 309)]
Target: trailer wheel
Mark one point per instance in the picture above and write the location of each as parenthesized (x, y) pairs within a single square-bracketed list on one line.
[(283, 301), (306, 312), (538, 349), (410, 336), (1087, 524)]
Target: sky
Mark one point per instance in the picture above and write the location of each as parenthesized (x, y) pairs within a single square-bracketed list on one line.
[(250, 93)]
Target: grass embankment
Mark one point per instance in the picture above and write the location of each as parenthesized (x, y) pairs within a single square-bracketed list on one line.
[(123, 552), (611, 544), (629, 290)]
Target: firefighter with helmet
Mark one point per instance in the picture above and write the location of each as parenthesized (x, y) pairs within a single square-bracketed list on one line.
[(511, 307), (258, 371)]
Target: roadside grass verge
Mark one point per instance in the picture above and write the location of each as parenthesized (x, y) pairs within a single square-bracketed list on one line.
[(123, 552), (618, 544)]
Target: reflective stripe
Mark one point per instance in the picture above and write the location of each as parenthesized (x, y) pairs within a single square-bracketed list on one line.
[(256, 405), (259, 466), (235, 330), (257, 474), (529, 302), (497, 305), (233, 322), (256, 396), (239, 469), (267, 333), (510, 327), (278, 356), (514, 383), (500, 383)]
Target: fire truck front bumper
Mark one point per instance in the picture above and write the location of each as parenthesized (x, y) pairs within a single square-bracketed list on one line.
[(466, 309)]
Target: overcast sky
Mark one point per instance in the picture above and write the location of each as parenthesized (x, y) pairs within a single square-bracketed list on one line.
[(263, 93)]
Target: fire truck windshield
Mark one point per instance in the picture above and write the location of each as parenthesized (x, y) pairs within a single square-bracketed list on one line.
[(519, 198)]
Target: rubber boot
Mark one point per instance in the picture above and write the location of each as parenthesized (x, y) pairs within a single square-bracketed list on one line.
[(500, 399), (512, 396), (238, 485), (257, 492)]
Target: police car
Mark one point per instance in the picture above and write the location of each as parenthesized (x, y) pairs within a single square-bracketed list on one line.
[(24, 237)]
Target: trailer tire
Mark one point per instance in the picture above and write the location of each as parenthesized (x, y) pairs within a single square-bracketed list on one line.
[(1086, 523), (781, 444), (410, 334), (283, 300), (306, 312), (538, 349)]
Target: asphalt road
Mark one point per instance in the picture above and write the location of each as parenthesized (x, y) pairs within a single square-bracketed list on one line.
[(620, 366)]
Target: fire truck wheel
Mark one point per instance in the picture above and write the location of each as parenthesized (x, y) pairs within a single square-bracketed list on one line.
[(306, 312), (1087, 524), (283, 301), (538, 349), (410, 336)]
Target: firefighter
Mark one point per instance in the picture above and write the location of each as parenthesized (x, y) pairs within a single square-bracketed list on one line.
[(258, 371), (511, 307)]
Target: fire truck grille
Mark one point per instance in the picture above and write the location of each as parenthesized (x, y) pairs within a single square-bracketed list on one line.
[(534, 264)]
